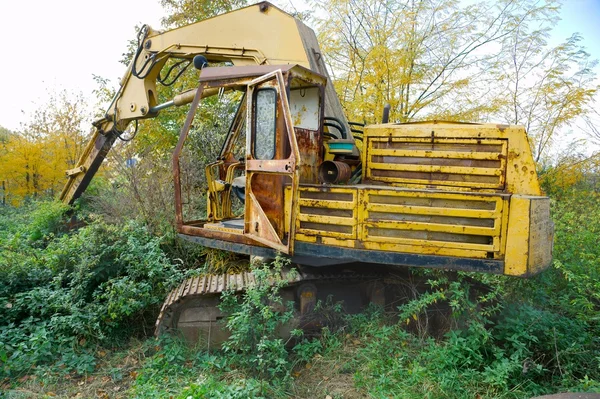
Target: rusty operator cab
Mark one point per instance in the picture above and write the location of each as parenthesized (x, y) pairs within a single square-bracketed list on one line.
[(282, 108), (430, 194)]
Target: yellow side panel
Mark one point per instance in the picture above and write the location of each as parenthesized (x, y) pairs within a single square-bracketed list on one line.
[(541, 236), (484, 148), (530, 236), (327, 213), (338, 243), (451, 224), (457, 162), (425, 248), (517, 240)]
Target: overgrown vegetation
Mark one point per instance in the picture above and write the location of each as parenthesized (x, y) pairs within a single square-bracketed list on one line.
[(64, 295), (77, 308), (68, 299)]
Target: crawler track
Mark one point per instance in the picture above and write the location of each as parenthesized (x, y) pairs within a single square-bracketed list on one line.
[(192, 309)]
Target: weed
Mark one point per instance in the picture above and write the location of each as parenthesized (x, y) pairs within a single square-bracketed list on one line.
[(66, 293), (255, 321)]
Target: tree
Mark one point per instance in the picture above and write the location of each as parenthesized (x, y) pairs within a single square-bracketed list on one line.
[(450, 60), (546, 89), (34, 159), (4, 137), (426, 58), (184, 12), (592, 124), (569, 167), (141, 170), (4, 134)]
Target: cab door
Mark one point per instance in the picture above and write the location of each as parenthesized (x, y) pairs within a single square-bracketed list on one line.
[(272, 157)]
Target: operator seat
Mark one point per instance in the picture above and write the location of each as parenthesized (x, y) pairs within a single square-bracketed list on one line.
[(238, 186)]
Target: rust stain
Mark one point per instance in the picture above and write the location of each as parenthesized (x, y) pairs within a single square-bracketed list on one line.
[(512, 154), (309, 146)]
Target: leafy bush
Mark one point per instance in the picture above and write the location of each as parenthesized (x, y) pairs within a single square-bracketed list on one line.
[(254, 320), (577, 255), (63, 294), (173, 370), (528, 353), (495, 349), (61, 299), (556, 348)]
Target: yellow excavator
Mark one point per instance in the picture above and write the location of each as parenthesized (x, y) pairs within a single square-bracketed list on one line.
[(443, 195)]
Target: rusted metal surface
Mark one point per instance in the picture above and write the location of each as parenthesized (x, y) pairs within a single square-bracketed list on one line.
[(450, 156), (429, 221), (310, 144), (401, 220), (327, 212), (278, 166), (265, 212), (334, 172), (216, 234), (192, 308), (434, 191), (267, 216), (216, 284), (177, 153), (449, 162)]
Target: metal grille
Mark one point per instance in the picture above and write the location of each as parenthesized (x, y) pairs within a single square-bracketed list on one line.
[(470, 163), (425, 219), (327, 212)]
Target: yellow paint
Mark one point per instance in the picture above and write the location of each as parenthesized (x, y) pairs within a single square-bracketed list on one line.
[(469, 218), (305, 238), (423, 249), (489, 156), (516, 173), (436, 169), (504, 223), (315, 211), (326, 219), (434, 227), (338, 243), (432, 211), (517, 240), (326, 204), (431, 243), (220, 227)]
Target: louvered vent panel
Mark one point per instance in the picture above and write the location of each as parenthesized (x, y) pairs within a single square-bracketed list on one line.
[(329, 213), (441, 220), (470, 163)]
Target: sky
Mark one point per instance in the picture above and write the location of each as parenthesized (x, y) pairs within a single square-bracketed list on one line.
[(51, 45), (581, 16)]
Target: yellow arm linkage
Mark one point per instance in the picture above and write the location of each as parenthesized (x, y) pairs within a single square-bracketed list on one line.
[(258, 34)]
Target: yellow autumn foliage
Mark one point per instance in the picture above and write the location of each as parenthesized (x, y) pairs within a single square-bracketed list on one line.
[(34, 159)]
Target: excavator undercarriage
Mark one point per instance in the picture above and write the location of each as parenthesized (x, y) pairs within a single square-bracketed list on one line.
[(192, 311)]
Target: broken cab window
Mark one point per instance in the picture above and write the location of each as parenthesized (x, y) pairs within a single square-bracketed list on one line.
[(265, 111)]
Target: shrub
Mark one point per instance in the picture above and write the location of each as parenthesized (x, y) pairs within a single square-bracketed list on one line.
[(254, 320), (95, 286)]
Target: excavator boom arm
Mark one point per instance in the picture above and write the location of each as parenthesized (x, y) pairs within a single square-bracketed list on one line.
[(257, 34)]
